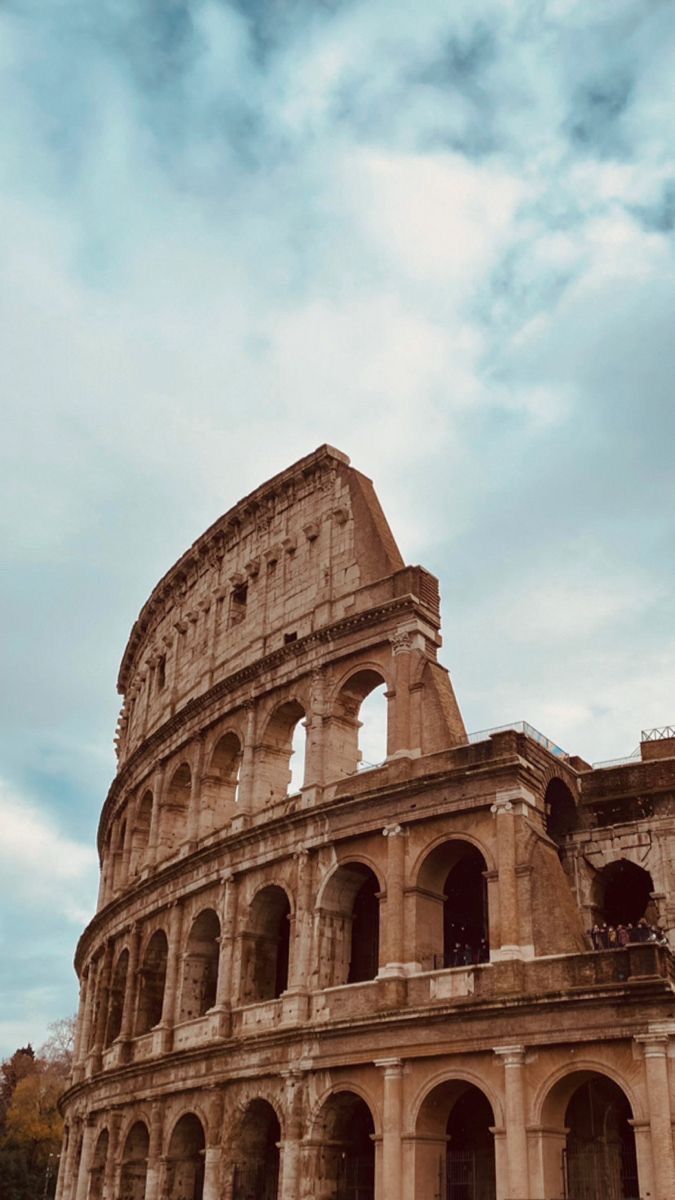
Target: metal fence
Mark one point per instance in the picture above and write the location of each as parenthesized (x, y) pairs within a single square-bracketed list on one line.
[(470, 1175), (600, 1171), (255, 1182)]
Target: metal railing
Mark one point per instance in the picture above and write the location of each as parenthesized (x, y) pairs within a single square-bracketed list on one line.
[(658, 735), (617, 762), (521, 727)]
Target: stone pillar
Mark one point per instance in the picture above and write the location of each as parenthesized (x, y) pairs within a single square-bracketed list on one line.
[(131, 989), (398, 737), (315, 724), (83, 1023), (111, 1161), (153, 1176), (213, 1152), (655, 1048), (82, 1186), (513, 1058), (393, 949), (102, 996), (64, 1160), (172, 982), (68, 1183), (299, 967), (505, 829), (389, 1186), (128, 841), (197, 770), (228, 926), (291, 1148), (245, 803), (155, 816)]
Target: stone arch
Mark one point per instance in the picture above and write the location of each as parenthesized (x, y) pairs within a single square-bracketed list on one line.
[(350, 925), (185, 1159), (451, 905), (118, 988), (119, 834), (255, 1169), (343, 1135), (134, 1168), (175, 804), (152, 978), (140, 843), (266, 945), (590, 1145), (220, 784), (344, 734), (622, 893), (98, 1166), (200, 966), (560, 810), (277, 746), (454, 1143)]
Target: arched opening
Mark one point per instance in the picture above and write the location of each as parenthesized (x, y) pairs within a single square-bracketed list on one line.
[(134, 1163), (141, 837), (173, 829), (455, 1154), (345, 1163), (452, 928), (116, 1001), (118, 855), (256, 1171), (590, 1149), (185, 1160), (357, 731), (623, 894), (152, 977), (350, 942), (200, 966), (266, 946), (218, 798), (280, 745), (98, 1164), (560, 810)]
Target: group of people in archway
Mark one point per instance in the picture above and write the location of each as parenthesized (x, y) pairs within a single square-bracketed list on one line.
[(614, 937)]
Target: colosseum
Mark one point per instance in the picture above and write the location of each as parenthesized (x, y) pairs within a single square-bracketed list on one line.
[(442, 976)]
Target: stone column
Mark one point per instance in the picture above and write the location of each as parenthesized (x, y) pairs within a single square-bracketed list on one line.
[(64, 1162), (111, 1161), (393, 923), (298, 979), (82, 1186), (213, 1152), (155, 816), (131, 989), (102, 996), (172, 982), (390, 1184), (655, 1047), (513, 1058), (505, 828), (196, 772), (291, 1148), (398, 738), (83, 1024), (152, 1179), (245, 803), (228, 925), (128, 841), (316, 726)]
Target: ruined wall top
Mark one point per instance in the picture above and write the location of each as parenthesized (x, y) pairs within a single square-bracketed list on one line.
[(285, 561)]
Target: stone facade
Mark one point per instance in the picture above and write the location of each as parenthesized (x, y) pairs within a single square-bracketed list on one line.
[(379, 986)]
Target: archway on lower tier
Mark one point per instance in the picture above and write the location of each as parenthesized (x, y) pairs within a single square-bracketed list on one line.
[(185, 1160), (344, 1134), (134, 1168), (266, 946), (350, 915), (255, 1172), (98, 1165), (455, 1153), (592, 1155), (452, 910)]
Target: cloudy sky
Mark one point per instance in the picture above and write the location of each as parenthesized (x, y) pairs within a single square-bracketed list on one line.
[(436, 235)]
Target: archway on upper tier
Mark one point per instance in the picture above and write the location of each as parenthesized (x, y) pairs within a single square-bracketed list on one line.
[(350, 914), (345, 1156), (255, 1173), (280, 754), (452, 909), (357, 729), (151, 985), (134, 1169), (200, 966), (116, 1001), (174, 811), (218, 798), (622, 893), (593, 1155), (455, 1153), (185, 1160)]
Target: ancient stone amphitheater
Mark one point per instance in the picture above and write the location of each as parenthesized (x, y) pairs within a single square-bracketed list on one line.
[(371, 981)]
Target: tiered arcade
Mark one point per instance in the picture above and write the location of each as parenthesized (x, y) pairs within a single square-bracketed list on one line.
[(376, 985)]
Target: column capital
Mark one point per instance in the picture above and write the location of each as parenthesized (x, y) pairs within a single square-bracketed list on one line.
[(392, 1067), (394, 831), (512, 1056), (515, 800)]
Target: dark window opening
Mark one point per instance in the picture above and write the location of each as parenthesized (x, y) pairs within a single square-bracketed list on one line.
[(625, 893), (161, 673), (290, 637), (365, 935), (266, 975), (470, 1156), (238, 600), (256, 1175), (599, 1160), (465, 931)]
